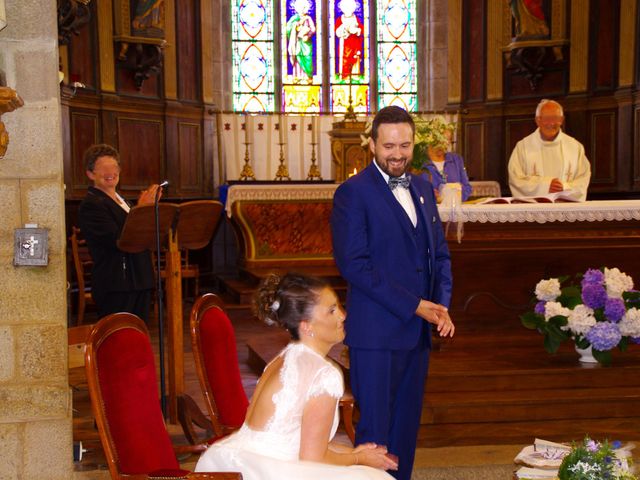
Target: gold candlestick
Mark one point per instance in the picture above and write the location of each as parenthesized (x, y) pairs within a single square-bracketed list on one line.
[(351, 114), (283, 171), (314, 171), (247, 171)]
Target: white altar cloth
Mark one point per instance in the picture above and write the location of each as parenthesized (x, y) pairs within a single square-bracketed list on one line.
[(592, 211)]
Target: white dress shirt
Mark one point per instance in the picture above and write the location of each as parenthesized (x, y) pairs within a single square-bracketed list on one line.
[(403, 195)]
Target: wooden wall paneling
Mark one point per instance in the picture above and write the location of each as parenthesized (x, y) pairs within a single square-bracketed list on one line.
[(636, 146), (579, 38), (603, 30), (637, 50), (190, 157), (627, 42), (85, 131), (474, 50), (170, 75), (82, 55), (494, 162), (105, 45), (211, 167), (474, 149), (187, 36), (141, 145), (624, 141), (515, 130), (603, 149)]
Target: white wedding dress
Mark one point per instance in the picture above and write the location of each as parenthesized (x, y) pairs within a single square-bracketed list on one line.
[(272, 453)]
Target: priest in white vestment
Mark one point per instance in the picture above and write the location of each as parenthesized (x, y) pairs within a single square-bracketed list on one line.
[(549, 161)]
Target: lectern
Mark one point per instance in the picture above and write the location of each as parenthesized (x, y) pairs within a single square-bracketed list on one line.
[(188, 225)]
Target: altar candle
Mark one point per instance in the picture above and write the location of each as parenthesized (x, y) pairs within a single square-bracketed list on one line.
[(314, 127), (355, 170), (283, 129), (248, 125)]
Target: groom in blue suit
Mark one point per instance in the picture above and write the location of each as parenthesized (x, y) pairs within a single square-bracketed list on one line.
[(389, 245)]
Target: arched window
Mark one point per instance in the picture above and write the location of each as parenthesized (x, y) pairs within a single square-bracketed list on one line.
[(306, 56)]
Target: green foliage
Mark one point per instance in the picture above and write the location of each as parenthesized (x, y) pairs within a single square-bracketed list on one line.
[(591, 460)]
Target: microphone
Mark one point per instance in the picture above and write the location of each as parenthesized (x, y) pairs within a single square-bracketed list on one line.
[(164, 183)]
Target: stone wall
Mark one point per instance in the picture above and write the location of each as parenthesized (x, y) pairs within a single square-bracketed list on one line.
[(35, 409)]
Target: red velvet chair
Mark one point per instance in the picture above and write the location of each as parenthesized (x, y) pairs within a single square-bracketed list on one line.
[(213, 343), (123, 386)]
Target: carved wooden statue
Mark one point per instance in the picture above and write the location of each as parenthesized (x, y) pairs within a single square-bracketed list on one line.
[(9, 101)]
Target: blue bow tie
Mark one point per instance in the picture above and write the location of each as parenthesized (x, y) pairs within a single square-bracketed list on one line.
[(399, 182)]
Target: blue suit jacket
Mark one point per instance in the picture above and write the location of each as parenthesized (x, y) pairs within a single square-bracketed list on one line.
[(374, 245)]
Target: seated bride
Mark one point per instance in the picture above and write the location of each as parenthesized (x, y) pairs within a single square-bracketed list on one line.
[(293, 414)]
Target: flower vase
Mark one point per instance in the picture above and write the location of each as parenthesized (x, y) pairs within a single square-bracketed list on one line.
[(586, 355)]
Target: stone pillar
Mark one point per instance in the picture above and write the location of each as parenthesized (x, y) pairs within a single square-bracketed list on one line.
[(437, 33), (35, 407)]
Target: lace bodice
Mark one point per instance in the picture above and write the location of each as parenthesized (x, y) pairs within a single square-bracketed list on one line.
[(273, 453), (304, 374)]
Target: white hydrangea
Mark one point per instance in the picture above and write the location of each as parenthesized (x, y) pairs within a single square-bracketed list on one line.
[(580, 320), (548, 290), (617, 282), (630, 323), (552, 309)]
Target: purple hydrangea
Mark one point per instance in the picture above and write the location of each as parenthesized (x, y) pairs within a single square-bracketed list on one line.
[(635, 340), (614, 309), (594, 295), (592, 276), (539, 308), (604, 336), (592, 446)]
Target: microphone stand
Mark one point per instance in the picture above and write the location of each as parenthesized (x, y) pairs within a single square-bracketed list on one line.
[(159, 299)]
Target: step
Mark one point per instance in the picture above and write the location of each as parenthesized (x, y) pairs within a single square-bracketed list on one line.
[(527, 405), (503, 433)]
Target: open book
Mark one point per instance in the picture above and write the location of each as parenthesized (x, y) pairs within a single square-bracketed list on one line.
[(558, 197)]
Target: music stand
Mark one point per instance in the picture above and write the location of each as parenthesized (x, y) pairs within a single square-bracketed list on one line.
[(139, 234), (196, 222), (189, 225)]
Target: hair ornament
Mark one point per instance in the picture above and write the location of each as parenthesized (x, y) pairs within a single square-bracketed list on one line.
[(275, 306)]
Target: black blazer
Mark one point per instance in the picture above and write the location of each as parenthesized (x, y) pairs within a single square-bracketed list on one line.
[(101, 221)]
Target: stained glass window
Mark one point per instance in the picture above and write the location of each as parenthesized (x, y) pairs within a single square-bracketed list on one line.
[(397, 65), (349, 55), (253, 65), (301, 47), (318, 71)]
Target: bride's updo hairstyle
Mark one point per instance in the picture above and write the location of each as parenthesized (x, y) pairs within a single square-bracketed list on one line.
[(288, 300)]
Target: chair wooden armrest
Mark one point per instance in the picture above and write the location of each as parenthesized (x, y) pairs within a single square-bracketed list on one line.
[(346, 408), (189, 414), (182, 449)]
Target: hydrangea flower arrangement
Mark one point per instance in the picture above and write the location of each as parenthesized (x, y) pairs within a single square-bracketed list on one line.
[(591, 460), (602, 311)]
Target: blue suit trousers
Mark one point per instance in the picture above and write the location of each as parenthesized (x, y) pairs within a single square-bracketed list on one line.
[(388, 386)]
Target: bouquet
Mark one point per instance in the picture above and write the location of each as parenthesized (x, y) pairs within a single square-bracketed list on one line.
[(591, 460), (601, 311)]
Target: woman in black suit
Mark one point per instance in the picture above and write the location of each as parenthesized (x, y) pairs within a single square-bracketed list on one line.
[(120, 281)]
